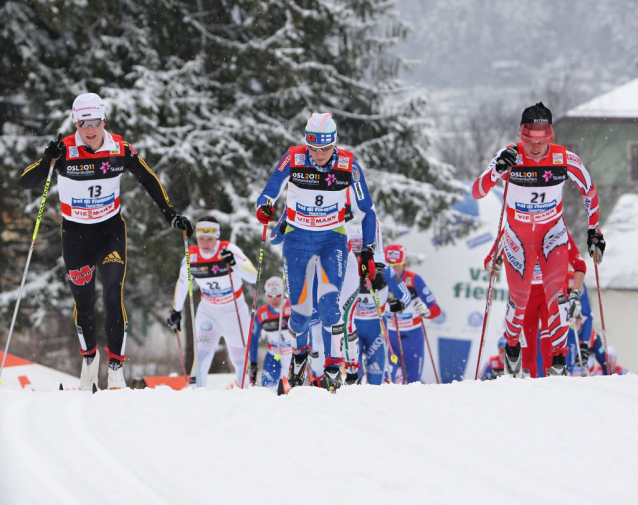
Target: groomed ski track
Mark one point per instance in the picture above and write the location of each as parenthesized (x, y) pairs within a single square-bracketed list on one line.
[(545, 441)]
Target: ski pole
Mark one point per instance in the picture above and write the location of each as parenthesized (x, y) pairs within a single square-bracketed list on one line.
[(602, 317), (427, 341), (377, 303), (198, 379), (490, 289), (232, 288), (405, 373), (281, 320), (181, 357), (252, 314), (26, 267)]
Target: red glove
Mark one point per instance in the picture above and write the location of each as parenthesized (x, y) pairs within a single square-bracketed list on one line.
[(265, 214), (367, 268)]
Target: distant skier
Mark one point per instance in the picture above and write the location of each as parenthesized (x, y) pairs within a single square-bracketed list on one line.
[(213, 261), (274, 324), (422, 305), (494, 368), (372, 345), (90, 164), (615, 368), (534, 228), (315, 247)]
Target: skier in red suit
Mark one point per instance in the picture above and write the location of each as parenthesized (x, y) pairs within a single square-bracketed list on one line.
[(534, 230)]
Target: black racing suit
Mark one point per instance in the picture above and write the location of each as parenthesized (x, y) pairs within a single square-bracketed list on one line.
[(94, 231)]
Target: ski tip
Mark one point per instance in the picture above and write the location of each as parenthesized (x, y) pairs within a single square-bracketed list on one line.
[(94, 388), (394, 359), (61, 388)]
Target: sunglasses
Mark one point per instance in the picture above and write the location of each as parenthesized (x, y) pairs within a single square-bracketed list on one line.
[(89, 122), (273, 296), (320, 149)]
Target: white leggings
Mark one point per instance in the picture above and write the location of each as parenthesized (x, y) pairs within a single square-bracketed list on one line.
[(214, 322)]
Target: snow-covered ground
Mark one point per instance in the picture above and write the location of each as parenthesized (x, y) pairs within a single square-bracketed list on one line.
[(555, 440)]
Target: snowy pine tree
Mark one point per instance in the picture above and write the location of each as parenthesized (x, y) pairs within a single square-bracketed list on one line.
[(211, 93)]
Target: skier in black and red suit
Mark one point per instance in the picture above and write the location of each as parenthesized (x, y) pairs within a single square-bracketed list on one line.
[(90, 164)]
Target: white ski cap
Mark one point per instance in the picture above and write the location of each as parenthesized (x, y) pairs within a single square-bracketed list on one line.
[(207, 229), (321, 130), (88, 106), (274, 286)]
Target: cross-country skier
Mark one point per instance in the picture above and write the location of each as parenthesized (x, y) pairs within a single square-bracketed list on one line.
[(213, 262), (315, 247), (615, 368), (494, 366), (536, 309), (421, 306), (90, 164), (534, 228), (274, 324), (372, 345)]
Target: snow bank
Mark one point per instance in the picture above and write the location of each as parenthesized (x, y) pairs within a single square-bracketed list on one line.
[(555, 440)]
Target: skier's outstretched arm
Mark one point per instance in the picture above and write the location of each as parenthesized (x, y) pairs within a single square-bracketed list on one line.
[(363, 200), (427, 297)]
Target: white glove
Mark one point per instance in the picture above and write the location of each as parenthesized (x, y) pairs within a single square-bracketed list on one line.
[(497, 268), (574, 303), (421, 309)]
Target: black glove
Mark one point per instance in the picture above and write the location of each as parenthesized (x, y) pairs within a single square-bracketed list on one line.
[(174, 321), (54, 149), (596, 243), (182, 223), (379, 280), (506, 159), (367, 267), (228, 257), (396, 305), (584, 355), (253, 373), (574, 303), (265, 213), (348, 216)]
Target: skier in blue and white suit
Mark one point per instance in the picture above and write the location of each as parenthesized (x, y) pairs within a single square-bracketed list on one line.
[(371, 341), (315, 248)]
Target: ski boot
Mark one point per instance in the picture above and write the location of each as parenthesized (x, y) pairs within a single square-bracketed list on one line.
[(331, 378), (116, 374), (513, 360), (352, 374), (296, 374), (89, 373), (558, 366)]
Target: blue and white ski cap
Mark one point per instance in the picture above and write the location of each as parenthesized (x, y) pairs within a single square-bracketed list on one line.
[(274, 286), (88, 106), (321, 130)]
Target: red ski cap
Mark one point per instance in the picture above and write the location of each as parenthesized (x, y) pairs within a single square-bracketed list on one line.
[(395, 254)]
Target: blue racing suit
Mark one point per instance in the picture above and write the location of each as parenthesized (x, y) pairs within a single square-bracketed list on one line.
[(279, 352), (372, 343), (315, 246)]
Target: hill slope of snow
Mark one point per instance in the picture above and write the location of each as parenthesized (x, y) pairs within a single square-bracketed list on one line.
[(556, 440)]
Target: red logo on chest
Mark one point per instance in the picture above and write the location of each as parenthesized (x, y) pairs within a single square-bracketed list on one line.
[(81, 276)]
